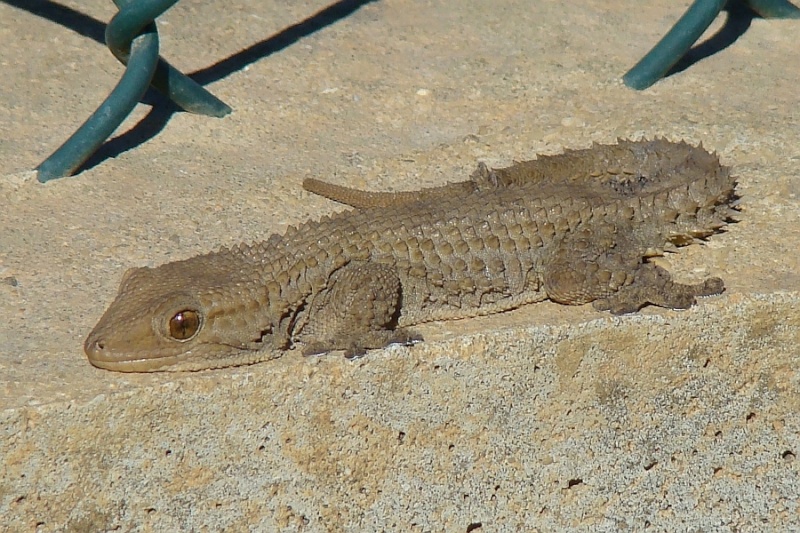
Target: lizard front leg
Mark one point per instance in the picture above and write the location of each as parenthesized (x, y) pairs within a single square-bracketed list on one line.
[(357, 311)]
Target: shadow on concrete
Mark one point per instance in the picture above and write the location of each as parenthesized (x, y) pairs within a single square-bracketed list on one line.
[(738, 20), (163, 108), (71, 19)]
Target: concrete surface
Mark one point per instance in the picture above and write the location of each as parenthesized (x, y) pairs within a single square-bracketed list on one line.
[(546, 418)]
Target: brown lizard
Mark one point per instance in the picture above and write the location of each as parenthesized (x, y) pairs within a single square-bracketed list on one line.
[(575, 228)]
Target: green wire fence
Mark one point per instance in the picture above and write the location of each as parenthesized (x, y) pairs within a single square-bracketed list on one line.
[(133, 39), (674, 45)]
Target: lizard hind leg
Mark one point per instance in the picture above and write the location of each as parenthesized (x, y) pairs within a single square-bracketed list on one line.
[(653, 285), (357, 311), (601, 266), (588, 265)]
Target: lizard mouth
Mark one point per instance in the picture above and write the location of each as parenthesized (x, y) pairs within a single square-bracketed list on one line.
[(135, 365), (202, 357)]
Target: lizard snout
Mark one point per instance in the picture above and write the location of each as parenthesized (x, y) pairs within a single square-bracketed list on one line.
[(95, 348)]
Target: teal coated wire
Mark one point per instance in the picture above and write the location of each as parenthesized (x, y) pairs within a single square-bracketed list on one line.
[(118, 105), (133, 39), (182, 90), (674, 45), (774, 9)]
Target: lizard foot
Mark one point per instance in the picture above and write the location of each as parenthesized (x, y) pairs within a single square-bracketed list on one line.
[(654, 285), (356, 345)]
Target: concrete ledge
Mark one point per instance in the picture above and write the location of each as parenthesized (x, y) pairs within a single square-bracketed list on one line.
[(668, 421)]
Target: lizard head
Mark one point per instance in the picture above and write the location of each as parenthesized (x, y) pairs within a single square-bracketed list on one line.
[(163, 320)]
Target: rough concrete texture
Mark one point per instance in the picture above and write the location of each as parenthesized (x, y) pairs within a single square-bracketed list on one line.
[(546, 418)]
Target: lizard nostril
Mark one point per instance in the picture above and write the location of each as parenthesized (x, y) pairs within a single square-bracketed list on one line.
[(95, 347)]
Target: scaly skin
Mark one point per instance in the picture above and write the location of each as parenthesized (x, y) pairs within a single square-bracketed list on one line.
[(574, 228)]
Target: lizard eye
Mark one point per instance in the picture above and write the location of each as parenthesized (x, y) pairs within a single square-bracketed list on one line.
[(184, 324)]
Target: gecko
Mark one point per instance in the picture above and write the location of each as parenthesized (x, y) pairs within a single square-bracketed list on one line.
[(574, 228)]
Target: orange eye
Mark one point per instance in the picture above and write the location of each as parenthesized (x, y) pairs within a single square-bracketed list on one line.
[(184, 324)]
